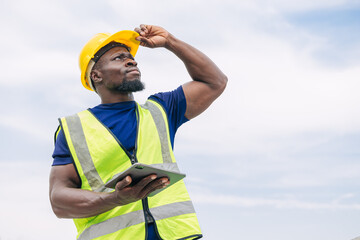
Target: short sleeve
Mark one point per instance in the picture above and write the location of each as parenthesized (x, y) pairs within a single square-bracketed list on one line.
[(61, 154)]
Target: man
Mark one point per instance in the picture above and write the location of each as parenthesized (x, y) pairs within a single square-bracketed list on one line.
[(97, 143)]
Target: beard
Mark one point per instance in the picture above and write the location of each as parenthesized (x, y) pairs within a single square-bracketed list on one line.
[(130, 86)]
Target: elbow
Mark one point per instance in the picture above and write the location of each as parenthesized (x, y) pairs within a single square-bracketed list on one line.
[(59, 213), (221, 83), (224, 81), (57, 208)]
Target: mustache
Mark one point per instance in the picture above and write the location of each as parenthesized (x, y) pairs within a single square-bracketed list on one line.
[(133, 69)]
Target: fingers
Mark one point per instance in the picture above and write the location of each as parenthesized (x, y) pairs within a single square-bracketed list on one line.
[(154, 185), (143, 41), (124, 193), (145, 181), (123, 183), (151, 36), (142, 30)]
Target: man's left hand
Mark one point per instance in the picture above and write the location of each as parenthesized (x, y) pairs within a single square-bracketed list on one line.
[(152, 36)]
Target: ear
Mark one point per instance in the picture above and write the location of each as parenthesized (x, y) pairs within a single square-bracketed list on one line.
[(96, 76)]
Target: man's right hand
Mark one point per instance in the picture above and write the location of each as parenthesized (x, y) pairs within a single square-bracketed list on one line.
[(126, 193), (69, 201)]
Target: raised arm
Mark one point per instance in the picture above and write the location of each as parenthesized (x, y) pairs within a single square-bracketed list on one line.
[(208, 80), (69, 201)]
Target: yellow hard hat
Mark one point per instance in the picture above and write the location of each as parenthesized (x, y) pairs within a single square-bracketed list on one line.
[(98, 41)]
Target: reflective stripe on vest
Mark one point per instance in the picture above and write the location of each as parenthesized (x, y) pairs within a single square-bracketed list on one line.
[(173, 204), (114, 224), (161, 128), (82, 151)]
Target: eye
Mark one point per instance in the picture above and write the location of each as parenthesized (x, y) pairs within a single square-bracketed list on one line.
[(120, 57), (123, 57)]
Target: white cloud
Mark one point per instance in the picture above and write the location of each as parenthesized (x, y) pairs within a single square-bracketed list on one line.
[(281, 203), (40, 66), (278, 90), (307, 5), (22, 124), (26, 204)]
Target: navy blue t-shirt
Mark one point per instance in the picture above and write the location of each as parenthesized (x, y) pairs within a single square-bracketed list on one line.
[(120, 118)]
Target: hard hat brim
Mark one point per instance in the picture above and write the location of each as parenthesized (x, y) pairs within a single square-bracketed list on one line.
[(125, 37)]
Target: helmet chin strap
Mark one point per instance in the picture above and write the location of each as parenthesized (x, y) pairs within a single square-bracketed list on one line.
[(87, 74), (98, 45), (96, 58)]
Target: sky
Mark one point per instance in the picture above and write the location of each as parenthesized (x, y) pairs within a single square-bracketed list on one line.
[(275, 157)]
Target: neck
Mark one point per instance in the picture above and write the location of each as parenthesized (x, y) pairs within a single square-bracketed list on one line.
[(114, 98)]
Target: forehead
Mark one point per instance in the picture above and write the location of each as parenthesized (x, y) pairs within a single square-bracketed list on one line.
[(113, 51)]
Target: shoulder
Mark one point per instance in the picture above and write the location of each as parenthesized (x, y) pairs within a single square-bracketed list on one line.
[(73, 115), (170, 100), (174, 104)]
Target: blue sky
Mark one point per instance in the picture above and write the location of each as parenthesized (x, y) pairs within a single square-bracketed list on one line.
[(340, 27), (275, 157)]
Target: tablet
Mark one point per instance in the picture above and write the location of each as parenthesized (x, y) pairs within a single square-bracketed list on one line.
[(139, 170)]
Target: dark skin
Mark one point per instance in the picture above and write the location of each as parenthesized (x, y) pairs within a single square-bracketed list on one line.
[(114, 67)]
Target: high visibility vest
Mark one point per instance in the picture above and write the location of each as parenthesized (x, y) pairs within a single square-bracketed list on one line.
[(98, 156)]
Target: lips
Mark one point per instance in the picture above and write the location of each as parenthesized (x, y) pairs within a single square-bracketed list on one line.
[(133, 70)]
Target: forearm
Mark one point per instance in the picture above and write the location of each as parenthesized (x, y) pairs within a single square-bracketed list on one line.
[(200, 67), (69, 201), (79, 203), (208, 80)]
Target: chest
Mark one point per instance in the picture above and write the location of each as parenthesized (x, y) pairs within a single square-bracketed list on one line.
[(122, 124)]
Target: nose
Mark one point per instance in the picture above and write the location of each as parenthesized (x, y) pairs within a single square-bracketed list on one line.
[(131, 63)]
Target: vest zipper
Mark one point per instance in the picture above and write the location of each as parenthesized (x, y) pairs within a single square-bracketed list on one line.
[(133, 157), (148, 216)]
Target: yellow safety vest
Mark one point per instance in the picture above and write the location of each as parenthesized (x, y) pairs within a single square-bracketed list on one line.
[(98, 156)]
